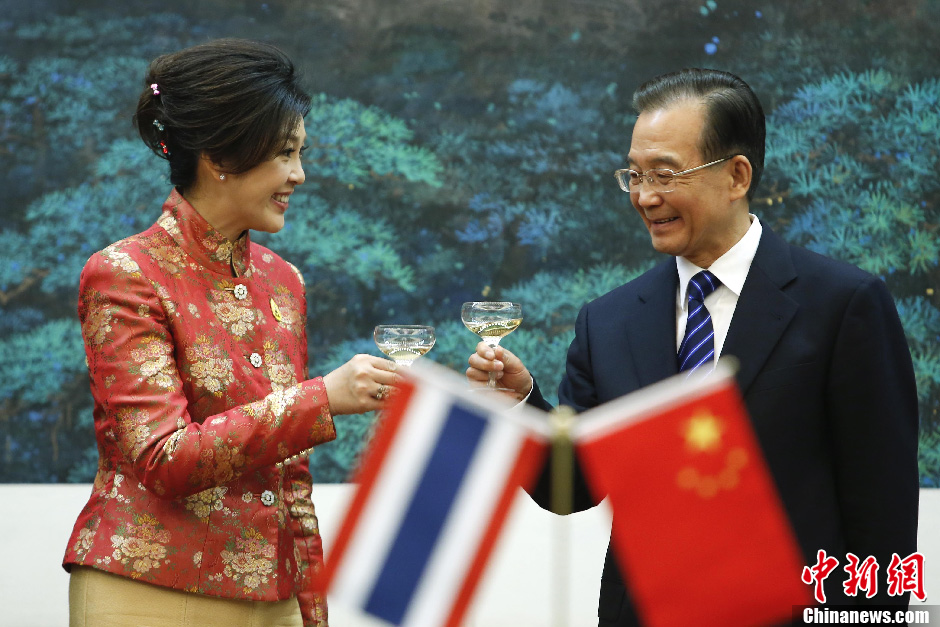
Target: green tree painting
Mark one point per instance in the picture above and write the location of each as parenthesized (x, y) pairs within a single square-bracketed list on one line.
[(456, 153)]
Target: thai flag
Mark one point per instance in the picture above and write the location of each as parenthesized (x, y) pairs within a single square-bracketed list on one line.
[(434, 489)]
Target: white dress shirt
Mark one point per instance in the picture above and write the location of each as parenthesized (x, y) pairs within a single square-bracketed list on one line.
[(731, 269)]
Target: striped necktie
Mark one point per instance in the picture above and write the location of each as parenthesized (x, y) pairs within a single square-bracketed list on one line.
[(698, 345)]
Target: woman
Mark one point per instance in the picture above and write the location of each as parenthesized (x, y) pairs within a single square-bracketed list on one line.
[(201, 510)]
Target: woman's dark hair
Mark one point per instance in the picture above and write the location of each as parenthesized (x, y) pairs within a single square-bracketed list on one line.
[(234, 100), (734, 118)]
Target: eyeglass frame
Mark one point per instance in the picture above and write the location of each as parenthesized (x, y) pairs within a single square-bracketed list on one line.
[(641, 176)]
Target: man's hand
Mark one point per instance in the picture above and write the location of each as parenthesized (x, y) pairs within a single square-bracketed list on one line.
[(510, 372)]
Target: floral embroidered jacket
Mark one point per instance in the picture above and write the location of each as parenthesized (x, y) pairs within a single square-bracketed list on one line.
[(204, 414)]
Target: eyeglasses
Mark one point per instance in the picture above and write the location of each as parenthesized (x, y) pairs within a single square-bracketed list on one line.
[(657, 180)]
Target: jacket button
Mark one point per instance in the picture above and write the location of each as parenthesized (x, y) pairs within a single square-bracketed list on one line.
[(268, 498), (256, 360), (241, 292)]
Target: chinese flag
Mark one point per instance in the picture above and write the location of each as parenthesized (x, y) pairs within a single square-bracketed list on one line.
[(698, 528)]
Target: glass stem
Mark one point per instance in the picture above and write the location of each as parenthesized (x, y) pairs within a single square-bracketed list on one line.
[(492, 344)]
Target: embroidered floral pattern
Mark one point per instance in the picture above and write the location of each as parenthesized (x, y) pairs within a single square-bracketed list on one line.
[(281, 370), (204, 503), (140, 545), (249, 559), (97, 323), (115, 486), (121, 260), (153, 361), (220, 249), (272, 407), (170, 259), (289, 310), (169, 223), (168, 303), (304, 510), (218, 463), (237, 316), (209, 367), (167, 347), (133, 424), (173, 443), (85, 538)]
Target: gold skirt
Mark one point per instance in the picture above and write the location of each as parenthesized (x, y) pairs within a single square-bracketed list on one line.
[(101, 599)]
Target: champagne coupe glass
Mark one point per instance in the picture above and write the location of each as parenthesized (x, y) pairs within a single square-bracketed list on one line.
[(404, 343), (492, 321)]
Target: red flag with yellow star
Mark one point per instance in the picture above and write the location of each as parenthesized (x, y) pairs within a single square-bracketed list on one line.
[(698, 528)]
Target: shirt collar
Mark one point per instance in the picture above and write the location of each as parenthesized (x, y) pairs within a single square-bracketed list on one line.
[(202, 241), (731, 268)]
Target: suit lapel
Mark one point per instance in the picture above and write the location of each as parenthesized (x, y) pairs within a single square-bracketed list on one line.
[(651, 325), (763, 311)]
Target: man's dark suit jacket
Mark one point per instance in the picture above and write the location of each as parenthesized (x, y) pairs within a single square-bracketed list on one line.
[(827, 378)]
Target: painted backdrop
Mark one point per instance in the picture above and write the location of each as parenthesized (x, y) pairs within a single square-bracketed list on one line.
[(459, 150)]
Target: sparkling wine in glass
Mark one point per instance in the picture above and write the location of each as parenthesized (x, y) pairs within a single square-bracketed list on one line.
[(404, 343), (492, 321)]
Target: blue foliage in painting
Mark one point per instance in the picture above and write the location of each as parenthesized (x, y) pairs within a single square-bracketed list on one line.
[(441, 171), (845, 144)]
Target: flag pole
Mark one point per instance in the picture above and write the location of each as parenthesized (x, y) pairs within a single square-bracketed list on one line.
[(562, 498)]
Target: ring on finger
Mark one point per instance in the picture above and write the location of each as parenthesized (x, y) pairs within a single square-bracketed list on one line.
[(382, 393)]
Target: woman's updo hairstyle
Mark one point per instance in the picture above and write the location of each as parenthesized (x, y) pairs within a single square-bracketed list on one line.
[(234, 100)]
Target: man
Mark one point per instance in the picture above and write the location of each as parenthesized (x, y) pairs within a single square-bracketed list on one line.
[(824, 366)]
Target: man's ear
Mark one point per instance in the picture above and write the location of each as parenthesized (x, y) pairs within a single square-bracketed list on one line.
[(741, 174)]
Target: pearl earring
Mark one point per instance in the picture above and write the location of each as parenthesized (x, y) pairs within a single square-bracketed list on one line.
[(221, 177)]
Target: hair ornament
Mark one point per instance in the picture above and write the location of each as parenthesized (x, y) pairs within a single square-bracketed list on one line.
[(166, 150), (159, 126), (156, 90)]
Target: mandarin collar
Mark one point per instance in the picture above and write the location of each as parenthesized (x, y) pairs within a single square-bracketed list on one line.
[(202, 241)]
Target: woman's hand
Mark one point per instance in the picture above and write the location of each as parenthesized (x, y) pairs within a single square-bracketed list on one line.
[(510, 372), (361, 384)]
